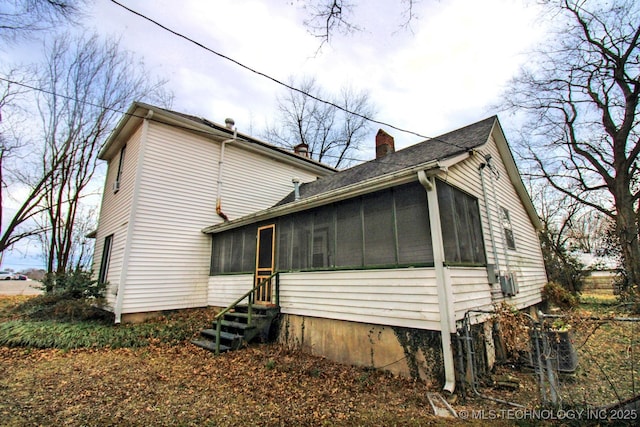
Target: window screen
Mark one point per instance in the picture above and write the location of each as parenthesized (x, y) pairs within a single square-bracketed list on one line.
[(234, 251), (379, 233), (283, 247), (301, 244), (349, 234), (412, 225), (323, 245), (461, 226)]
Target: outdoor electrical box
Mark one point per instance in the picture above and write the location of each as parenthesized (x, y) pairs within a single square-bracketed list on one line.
[(508, 284), (492, 273)]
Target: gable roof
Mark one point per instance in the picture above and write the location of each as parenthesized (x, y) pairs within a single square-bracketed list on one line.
[(395, 169), (442, 147), (138, 111)]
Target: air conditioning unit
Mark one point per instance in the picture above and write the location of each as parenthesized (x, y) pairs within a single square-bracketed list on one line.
[(116, 186)]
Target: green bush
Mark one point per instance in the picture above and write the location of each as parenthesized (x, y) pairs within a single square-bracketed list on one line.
[(76, 284), (559, 296), (71, 296)]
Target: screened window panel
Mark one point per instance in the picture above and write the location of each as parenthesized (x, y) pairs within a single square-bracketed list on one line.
[(348, 234), (215, 254), (301, 244), (477, 239), (461, 226), (412, 225), (249, 248), (379, 234), (234, 263), (322, 255), (448, 222), (284, 233), (234, 251), (227, 245)]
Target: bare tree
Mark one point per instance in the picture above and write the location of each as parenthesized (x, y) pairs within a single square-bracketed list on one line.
[(332, 135), (85, 86), (20, 18), (327, 17), (581, 96)]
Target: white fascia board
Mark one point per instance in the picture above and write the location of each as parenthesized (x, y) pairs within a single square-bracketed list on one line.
[(378, 183)]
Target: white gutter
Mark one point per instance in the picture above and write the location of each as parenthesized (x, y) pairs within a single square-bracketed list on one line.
[(117, 310), (443, 280)]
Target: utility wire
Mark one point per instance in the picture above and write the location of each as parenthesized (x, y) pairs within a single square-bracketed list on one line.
[(273, 79), (175, 125)]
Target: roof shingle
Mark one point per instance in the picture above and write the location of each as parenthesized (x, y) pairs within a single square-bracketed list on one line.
[(439, 148)]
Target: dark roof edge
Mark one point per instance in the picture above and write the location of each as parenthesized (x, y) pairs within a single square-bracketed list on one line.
[(193, 120)]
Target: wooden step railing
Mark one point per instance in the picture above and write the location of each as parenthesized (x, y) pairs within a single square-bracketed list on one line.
[(251, 297)]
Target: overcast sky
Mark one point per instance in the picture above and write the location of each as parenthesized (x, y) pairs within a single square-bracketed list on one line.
[(442, 73), (432, 80)]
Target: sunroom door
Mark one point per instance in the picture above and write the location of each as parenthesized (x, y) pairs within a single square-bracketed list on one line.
[(265, 262)]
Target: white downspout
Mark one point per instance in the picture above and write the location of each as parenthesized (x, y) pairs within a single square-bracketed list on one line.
[(230, 125), (489, 219), (443, 282)]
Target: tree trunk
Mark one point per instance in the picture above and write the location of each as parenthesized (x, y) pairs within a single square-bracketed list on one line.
[(627, 233)]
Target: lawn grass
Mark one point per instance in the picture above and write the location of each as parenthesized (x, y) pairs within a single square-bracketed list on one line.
[(18, 329)]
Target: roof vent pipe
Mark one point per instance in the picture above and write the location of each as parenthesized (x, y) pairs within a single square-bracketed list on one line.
[(296, 188)]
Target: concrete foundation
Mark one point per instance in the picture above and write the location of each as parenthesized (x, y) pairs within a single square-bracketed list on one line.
[(408, 352)]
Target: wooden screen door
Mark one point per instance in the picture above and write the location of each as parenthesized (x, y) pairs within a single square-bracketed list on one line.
[(265, 261)]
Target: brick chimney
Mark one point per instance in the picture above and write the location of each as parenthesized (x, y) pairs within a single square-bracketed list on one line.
[(301, 149), (384, 144)]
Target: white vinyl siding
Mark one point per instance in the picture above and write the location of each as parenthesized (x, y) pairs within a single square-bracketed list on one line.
[(526, 261), (396, 297), (471, 290), (169, 258), (114, 213), (225, 289)]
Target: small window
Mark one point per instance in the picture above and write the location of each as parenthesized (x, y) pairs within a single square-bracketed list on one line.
[(116, 184), (508, 229), (106, 258)]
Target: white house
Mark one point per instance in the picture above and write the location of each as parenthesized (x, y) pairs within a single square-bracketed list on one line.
[(169, 176), (385, 259)]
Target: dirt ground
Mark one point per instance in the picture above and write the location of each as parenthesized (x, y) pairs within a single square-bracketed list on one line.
[(267, 385)]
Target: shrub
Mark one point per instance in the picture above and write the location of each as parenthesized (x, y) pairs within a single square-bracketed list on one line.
[(75, 284), (70, 296), (559, 296), (562, 267)]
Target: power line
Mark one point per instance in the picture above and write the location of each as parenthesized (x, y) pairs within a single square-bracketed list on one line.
[(273, 79), (174, 125)]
